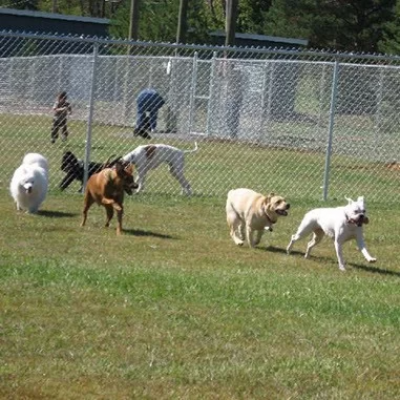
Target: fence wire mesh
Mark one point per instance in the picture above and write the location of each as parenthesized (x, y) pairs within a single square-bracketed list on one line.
[(305, 124)]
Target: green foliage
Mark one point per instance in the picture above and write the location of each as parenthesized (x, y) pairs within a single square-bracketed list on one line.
[(21, 5), (158, 21), (360, 25), (390, 42), (252, 14), (286, 19), (341, 25)]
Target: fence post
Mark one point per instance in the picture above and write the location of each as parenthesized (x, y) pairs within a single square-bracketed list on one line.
[(126, 87), (268, 70), (88, 141), (211, 93), (378, 117), (192, 91), (330, 130)]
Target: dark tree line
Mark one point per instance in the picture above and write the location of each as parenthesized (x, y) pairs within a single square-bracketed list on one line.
[(345, 25)]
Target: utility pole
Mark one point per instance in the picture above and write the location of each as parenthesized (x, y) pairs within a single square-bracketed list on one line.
[(54, 8), (230, 24), (134, 20), (182, 22)]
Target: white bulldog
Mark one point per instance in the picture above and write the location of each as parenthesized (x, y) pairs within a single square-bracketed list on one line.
[(340, 223)]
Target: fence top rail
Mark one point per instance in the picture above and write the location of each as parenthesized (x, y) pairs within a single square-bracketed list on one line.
[(332, 55)]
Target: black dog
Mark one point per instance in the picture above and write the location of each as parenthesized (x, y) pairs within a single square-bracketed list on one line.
[(75, 169)]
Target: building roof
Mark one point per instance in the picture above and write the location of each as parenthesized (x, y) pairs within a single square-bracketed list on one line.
[(54, 16), (264, 39)]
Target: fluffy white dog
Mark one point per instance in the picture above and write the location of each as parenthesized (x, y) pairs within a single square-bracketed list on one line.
[(340, 223), (29, 183), (151, 156)]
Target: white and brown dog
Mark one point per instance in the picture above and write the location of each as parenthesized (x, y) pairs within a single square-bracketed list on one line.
[(151, 156), (249, 212), (340, 223)]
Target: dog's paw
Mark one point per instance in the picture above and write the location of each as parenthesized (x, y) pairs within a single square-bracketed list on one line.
[(372, 260)]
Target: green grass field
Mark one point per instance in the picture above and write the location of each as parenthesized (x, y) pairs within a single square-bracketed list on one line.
[(174, 310)]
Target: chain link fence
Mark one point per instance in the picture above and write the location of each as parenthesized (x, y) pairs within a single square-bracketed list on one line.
[(305, 124)]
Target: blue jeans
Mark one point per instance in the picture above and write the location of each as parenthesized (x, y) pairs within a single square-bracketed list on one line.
[(148, 103)]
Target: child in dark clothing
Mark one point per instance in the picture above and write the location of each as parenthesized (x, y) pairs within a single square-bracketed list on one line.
[(61, 110)]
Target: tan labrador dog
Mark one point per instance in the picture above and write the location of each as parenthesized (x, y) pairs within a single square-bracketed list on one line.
[(249, 213)]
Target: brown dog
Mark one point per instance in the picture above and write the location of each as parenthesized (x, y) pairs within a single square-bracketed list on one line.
[(107, 188), (249, 212)]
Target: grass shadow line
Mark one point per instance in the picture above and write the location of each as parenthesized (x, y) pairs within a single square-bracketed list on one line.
[(273, 249), (139, 232), (297, 253), (375, 270), (56, 214)]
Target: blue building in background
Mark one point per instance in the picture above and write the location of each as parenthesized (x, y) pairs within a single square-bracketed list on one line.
[(42, 22)]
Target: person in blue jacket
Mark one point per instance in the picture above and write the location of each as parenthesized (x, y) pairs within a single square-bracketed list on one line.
[(149, 101)]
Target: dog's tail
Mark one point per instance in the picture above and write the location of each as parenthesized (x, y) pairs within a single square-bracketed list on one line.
[(193, 150), (110, 162)]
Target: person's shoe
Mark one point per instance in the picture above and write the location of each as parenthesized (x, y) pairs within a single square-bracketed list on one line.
[(141, 132)]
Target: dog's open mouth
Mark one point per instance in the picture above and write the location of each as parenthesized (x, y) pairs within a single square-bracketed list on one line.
[(128, 190), (359, 221), (282, 212), (362, 221)]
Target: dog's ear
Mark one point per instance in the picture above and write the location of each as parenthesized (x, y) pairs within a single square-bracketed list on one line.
[(119, 167), (128, 167), (114, 161), (269, 196), (360, 199), (349, 200)]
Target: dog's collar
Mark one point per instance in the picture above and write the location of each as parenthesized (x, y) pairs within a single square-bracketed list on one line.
[(269, 219)]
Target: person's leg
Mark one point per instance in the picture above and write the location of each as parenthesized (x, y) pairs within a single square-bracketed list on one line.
[(153, 113), (54, 131), (141, 116), (64, 130)]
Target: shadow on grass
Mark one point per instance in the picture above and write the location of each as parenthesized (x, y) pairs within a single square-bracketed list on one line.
[(139, 232), (367, 268), (297, 253), (375, 270), (56, 214), (273, 249)]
